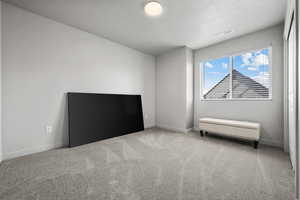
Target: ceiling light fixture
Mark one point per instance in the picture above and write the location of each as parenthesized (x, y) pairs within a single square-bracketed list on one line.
[(153, 8)]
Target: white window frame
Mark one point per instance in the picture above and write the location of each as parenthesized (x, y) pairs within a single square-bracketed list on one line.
[(201, 66)]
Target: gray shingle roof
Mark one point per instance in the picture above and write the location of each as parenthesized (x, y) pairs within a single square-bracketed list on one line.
[(242, 87)]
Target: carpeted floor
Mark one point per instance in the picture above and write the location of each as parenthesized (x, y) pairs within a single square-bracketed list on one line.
[(151, 165)]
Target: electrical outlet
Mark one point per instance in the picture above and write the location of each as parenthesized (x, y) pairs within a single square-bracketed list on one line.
[(48, 129)]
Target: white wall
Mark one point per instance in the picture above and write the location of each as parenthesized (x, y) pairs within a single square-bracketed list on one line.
[(1, 154), (43, 59), (290, 144), (297, 6), (292, 93), (174, 96), (189, 89), (268, 113)]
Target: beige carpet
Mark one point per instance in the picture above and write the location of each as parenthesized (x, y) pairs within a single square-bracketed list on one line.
[(151, 165)]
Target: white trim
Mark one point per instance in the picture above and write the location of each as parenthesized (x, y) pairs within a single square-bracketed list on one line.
[(294, 76), (273, 143), (182, 130), (271, 71), (28, 151), (196, 129), (241, 99), (285, 100), (288, 18), (230, 81), (201, 71), (202, 77), (149, 126), (38, 149), (236, 53), (292, 7), (264, 141), (188, 130), (297, 22)]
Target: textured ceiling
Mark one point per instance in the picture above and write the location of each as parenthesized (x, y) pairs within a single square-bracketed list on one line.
[(192, 23)]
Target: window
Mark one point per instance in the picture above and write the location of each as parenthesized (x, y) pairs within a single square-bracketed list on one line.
[(216, 79), (242, 76)]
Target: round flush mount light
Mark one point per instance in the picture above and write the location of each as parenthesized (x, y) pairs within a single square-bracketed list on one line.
[(153, 8)]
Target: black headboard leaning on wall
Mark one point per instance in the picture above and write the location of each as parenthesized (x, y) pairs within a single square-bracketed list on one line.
[(94, 117)]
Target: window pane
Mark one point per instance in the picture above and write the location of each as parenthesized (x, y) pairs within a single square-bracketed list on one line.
[(216, 79), (251, 75)]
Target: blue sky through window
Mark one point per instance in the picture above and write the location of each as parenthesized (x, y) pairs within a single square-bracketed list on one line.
[(253, 64), (214, 71)]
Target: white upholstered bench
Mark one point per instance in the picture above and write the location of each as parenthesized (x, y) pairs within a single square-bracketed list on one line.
[(237, 129)]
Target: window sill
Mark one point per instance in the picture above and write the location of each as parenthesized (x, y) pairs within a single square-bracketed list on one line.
[(245, 99)]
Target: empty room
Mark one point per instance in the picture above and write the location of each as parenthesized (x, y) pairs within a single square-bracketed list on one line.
[(149, 100)]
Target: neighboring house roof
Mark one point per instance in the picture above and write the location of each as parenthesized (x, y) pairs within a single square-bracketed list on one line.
[(242, 87)]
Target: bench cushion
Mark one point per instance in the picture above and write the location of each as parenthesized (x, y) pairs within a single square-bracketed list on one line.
[(241, 124)]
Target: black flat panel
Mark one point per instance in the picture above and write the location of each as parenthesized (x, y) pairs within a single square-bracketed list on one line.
[(94, 117)]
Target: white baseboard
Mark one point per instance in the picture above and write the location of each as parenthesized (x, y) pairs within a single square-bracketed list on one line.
[(262, 140), (271, 143), (28, 151), (196, 129), (149, 127), (40, 148), (189, 130), (182, 130)]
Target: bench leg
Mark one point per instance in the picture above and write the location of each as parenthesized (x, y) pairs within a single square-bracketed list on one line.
[(201, 133), (255, 144)]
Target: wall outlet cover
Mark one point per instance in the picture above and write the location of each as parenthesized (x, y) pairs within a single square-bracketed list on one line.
[(49, 129)]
